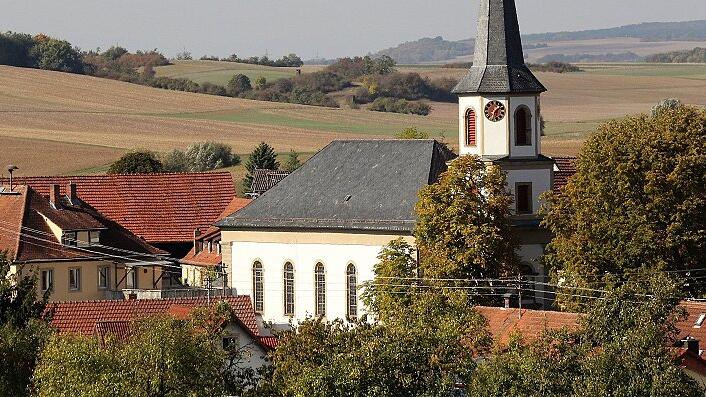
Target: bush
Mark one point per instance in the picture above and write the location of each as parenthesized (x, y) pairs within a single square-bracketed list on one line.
[(15, 49), (58, 55), (412, 133), (140, 162), (315, 98), (324, 82), (238, 85), (206, 156), (175, 161), (394, 105), (352, 68), (555, 67), (168, 83), (212, 89)]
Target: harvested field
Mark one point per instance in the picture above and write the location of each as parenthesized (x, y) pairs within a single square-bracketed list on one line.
[(221, 72), (91, 121)]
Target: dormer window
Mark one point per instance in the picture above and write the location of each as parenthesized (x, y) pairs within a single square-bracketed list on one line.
[(94, 237), (70, 239), (700, 320)]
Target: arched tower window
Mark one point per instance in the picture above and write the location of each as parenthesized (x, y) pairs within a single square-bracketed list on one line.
[(471, 129), (320, 289), (523, 126), (352, 292), (288, 289), (258, 287)]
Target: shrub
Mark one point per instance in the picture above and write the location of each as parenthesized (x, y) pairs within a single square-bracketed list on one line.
[(238, 85), (555, 67), (175, 161), (58, 55), (206, 156), (175, 84), (394, 105), (139, 162), (324, 82), (314, 98), (412, 133), (212, 89)]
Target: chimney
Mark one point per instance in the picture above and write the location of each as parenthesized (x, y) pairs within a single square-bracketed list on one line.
[(73, 196), (55, 196), (692, 345), (197, 243)]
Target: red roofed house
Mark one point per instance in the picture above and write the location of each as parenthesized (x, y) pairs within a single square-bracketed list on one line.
[(100, 318), (503, 323), (76, 252), (162, 209), (204, 262)]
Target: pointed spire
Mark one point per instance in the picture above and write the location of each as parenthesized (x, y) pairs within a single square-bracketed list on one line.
[(499, 63)]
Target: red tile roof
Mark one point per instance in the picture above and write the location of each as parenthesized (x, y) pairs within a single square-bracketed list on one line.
[(689, 327), (82, 317), (25, 232), (205, 258), (160, 208), (503, 323), (567, 168)]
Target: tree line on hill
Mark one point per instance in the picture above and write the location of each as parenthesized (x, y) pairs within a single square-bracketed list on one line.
[(696, 55)]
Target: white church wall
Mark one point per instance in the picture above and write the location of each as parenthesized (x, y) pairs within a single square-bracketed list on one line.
[(541, 182), (531, 104), (495, 134), (334, 250)]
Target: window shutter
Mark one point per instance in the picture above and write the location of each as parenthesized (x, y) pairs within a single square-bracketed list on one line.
[(471, 139)]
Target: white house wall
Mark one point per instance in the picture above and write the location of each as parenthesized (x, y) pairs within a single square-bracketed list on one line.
[(541, 182)]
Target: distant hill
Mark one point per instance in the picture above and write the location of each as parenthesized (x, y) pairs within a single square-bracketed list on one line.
[(428, 50), (649, 31), (697, 55), (439, 50)]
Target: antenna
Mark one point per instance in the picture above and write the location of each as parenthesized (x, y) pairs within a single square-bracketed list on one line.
[(11, 168)]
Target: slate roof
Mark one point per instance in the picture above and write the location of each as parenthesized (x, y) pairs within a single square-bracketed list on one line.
[(367, 185), (26, 235), (161, 208), (499, 63), (264, 180)]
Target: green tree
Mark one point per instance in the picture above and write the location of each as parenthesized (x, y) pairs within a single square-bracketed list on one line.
[(463, 229), (139, 162), (162, 356), (263, 157), (412, 133), (175, 161), (292, 163), (23, 330), (205, 156), (638, 200), (58, 55), (621, 349), (260, 82), (114, 53), (238, 85)]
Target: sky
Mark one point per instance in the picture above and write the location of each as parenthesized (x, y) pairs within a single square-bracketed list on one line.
[(324, 28)]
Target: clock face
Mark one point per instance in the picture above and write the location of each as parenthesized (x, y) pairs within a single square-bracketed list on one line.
[(495, 111)]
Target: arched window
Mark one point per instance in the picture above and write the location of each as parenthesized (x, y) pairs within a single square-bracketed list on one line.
[(288, 289), (352, 293), (471, 139), (258, 287), (320, 289), (523, 126)]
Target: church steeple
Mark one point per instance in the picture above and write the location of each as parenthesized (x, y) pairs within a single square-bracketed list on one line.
[(499, 64)]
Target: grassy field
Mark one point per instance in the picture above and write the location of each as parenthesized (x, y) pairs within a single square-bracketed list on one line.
[(56, 123), (221, 72)]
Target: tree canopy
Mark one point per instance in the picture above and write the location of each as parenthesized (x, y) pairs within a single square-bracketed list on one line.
[(138, 162), (638, 200), (22, 329), (263, 157)]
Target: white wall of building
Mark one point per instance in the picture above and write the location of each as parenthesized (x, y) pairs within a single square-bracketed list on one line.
[(304, 256), (541, 180)]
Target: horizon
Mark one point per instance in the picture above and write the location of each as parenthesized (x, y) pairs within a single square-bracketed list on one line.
[(224, 28)]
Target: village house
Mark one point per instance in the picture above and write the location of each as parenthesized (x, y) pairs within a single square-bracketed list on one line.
[(305, 247), (687, 348), (162, 209), (75, 251), (101, 318), (203, 266)]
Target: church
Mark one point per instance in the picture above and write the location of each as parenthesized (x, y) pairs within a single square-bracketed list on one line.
[(305, 247)]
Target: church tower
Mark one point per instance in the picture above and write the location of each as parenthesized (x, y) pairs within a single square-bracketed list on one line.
[(499, 107), (500, 122)]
